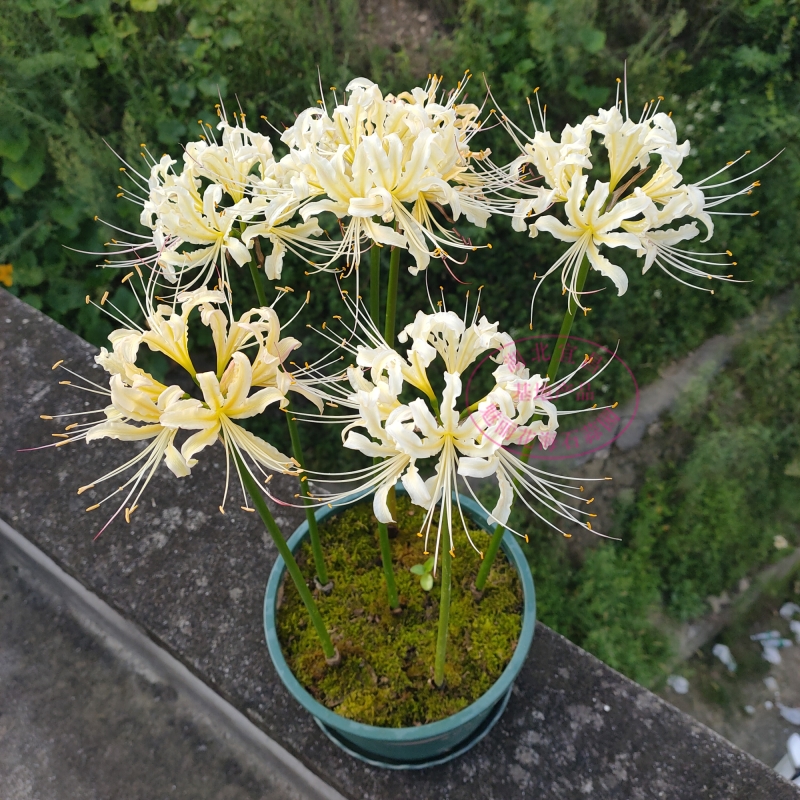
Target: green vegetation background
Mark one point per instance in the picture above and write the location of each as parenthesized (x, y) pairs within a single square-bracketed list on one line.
[(75, 76)]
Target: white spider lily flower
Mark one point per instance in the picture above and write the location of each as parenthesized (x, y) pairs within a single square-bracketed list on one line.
[(630, 144), (395, 159), (188, 218), (225, 401), (447, 334), (136, 402), (231, 162), (270, 220), (451, 443), (557, 162), (588, 227), (168, 332)]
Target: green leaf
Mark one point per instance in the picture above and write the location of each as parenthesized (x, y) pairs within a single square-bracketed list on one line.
[(677, 22), (65, 295), (43, 62), (125, 27), (66, 215), (170, 131), (428, 565), (145, 6), (181, 93), (102, 44), (213, 86), (426, 581), (14, 141), (32, 300), (503, 38), (28, 275), (87, 60), (230, 39), (593, 40), (418, 569), (26, 172), (199, 28)]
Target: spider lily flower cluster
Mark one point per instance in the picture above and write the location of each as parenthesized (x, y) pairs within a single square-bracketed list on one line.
[(251, 374), (634, 209), (388, 171), (442, 434), (393, 170)]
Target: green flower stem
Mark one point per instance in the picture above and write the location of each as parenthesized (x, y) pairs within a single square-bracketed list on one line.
[(444, 613), (375, 283), (552, 372), (313, 530), (260, 294), (391, 296), (291, 565), (388, 570), (489, 556)]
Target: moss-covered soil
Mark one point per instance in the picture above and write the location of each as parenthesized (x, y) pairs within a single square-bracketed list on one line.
[(386, 670)]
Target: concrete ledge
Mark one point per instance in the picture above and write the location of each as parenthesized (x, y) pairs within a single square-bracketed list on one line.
[(135, 648), (189, 582)]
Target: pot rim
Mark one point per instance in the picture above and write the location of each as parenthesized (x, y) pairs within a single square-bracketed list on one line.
[(430, 730)]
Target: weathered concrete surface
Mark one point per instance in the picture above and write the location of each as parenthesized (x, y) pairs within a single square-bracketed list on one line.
[(195, 579), (75, 724)]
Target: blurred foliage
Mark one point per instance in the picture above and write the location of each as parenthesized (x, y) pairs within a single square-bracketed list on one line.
[(696, 526)]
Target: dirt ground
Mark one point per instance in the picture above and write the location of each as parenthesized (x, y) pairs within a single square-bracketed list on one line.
[(718, 698)]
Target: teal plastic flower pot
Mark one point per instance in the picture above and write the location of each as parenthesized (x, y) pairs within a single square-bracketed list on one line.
[(424, 745)]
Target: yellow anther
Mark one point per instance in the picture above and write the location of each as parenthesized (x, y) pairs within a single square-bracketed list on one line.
[(92, 508), (58, 364), (566, 535), (589, 525), (615, 405), (60, 435), (45, 416), (104, 298), (222, 510), (65, 383), (71, 427), (245, 508), (590, 501), (84, 488)]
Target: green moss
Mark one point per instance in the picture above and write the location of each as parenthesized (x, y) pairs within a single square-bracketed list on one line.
[(384, 677)]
